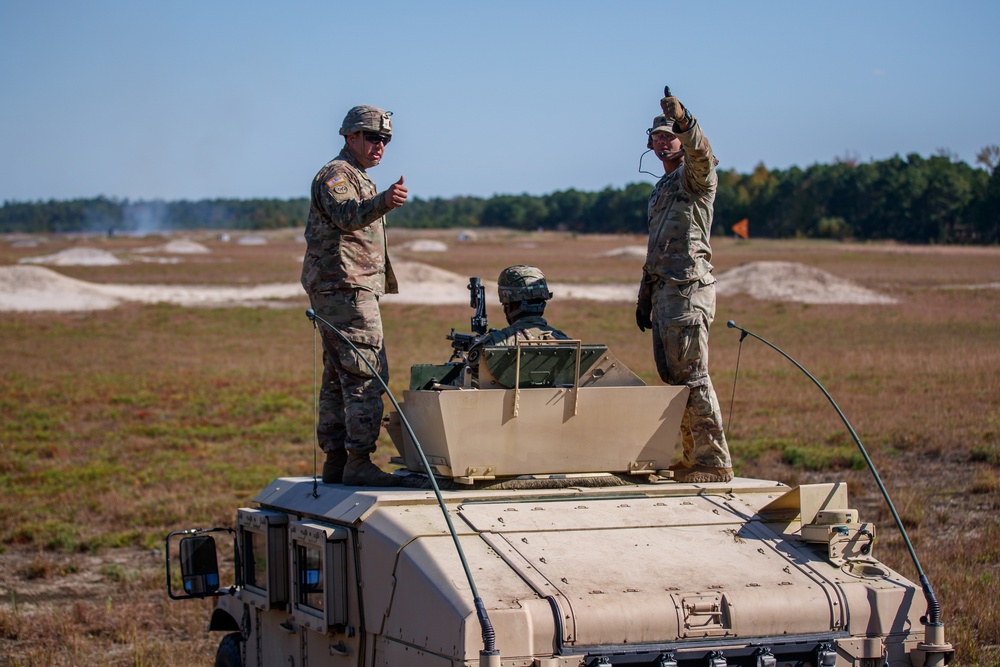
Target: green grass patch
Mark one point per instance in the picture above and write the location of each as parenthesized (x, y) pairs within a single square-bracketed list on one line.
[(985, 453), (54, 535), (758, 448), (823, 457)]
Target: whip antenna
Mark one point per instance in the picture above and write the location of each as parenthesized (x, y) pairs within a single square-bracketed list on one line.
[(736, 376), (315, 406), (932, 617)]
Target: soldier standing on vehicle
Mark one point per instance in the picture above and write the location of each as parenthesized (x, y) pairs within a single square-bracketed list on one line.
[(677, 293), (345, 270)]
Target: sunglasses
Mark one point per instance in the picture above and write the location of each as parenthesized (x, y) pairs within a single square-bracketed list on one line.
[(375, 137)]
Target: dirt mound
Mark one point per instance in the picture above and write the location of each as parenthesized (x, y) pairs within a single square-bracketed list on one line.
[(423, 283), (602, 292), (34, 288), (185, 247), (26, 288), (177, 247), (418, 272), (424, 245), (76, 257), (197, 295), (791, 281), (626, 251)]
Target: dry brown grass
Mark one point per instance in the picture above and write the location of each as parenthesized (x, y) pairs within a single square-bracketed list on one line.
[(119, 426)]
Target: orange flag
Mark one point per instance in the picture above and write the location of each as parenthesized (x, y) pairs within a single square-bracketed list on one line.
[(742, 228)]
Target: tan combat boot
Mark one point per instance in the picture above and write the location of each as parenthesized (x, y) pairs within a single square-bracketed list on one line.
[(333, 467), (700, 474), (360, 471)]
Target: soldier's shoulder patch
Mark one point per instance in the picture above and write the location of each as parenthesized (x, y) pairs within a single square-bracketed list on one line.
[(337, 179)]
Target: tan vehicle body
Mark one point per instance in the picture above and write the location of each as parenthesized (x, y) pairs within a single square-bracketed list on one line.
[(646, 571)]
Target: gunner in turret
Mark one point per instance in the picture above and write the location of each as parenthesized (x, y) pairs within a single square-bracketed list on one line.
[(523, 292)]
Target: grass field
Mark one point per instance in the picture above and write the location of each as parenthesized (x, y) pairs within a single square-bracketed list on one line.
[(119, 426)]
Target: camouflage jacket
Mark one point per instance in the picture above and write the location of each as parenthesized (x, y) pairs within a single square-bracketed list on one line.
[(680, 216), (530, 327), (345, 232)]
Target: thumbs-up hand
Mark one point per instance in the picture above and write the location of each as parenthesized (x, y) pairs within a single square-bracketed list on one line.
[(395, 196), (672, 108)]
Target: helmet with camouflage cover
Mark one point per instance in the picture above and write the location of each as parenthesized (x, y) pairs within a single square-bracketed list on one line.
[(365, 117), (660, 124), (523, 288)]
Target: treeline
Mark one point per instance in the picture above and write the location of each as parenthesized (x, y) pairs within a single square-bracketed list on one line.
[(913, 200), (102, 214)]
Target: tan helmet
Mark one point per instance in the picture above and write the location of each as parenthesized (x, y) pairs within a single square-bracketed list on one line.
[(521, 285), (660, 124), (369, 118)]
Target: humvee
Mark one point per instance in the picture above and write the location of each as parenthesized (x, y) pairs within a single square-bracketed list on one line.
[(551, 535)]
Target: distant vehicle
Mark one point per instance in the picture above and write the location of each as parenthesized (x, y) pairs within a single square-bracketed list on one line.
[(552, 536)]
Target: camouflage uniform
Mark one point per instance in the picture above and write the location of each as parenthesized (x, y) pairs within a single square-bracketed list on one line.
[(345, 271), (677, 277), (529, 327)]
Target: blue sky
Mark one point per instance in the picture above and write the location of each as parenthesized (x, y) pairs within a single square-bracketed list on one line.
[(188, 99)]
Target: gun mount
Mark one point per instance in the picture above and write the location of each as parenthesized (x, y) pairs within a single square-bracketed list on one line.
[(477, 300)]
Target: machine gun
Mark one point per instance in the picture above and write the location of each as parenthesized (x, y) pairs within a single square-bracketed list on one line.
[(463, 343), (461, 370)]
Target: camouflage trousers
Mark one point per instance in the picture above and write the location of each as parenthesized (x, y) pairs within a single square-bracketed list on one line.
[(350, 397), (681, 318)]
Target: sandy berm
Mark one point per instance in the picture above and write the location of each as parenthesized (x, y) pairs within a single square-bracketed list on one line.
[(31, 287)]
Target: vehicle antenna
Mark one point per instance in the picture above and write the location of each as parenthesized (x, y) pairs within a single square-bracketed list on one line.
[(736, 377), (315, 406), (932, 619)]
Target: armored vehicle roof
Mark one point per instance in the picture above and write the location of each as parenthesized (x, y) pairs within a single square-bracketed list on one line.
[(643, 566)]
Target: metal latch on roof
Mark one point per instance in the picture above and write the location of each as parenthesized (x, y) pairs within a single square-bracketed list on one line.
[(705, 615)]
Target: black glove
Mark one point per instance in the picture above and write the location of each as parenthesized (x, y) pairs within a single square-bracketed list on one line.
[(642, 314), (644, 305)]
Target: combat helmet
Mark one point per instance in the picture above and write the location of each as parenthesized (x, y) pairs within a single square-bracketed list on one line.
[(524, 289), (365, 117)]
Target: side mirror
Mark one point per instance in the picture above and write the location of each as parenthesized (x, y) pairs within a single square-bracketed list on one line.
[(199, 565)]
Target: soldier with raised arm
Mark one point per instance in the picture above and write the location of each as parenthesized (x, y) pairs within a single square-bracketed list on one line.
[(677, 293)]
